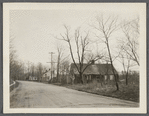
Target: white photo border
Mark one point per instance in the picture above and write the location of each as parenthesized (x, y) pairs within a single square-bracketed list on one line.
[(40, 6)]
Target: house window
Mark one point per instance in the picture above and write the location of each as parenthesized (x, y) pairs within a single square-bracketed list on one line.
[(111, 77), (106, 77)]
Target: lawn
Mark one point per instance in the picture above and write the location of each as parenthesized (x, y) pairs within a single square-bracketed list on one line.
[(127, 92)]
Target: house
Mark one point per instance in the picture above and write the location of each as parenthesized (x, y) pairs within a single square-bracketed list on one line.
[(32, 78), (98, 72), (47, 75)]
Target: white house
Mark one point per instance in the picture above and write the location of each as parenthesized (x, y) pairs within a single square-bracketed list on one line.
[(47, 75), (32, 78)]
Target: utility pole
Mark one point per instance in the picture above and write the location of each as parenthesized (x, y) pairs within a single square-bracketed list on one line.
[(28, 69), (51, 64)]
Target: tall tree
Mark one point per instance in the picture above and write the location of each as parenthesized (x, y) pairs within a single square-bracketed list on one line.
[(59, 58), (32, 69), (106, 26), (81, 44), (39, 71), (130, 41), (16, 66), (125, 60)]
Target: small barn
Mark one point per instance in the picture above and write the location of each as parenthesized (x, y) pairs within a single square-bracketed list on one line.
[(98, 72)]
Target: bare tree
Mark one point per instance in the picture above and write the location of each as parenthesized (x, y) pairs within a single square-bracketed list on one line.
[(16, 66), (12, 57), (60, 54), (64, 69), (131, 45), (90, 56), (39, 71), (32, 69), (106, 27), (81, 49), (125, 60), (28, 70)]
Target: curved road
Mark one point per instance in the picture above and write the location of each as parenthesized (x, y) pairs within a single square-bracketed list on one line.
[(39, 95)]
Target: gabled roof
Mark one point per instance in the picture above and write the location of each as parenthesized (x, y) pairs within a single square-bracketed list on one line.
[(47, 71), (93, 69)]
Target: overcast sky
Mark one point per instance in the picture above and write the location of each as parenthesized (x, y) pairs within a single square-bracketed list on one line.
[(33, 30)]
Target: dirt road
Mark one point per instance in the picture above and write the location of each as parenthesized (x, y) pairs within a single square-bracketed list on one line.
[(39, 95)]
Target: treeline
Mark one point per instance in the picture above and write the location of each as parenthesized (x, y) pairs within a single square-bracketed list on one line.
[(20, 70)]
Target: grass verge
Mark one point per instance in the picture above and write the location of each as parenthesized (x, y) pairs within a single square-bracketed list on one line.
[(126, 92)]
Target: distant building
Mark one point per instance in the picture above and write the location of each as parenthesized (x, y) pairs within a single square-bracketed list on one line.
[(47, 75), (98, 72), (32, 78)]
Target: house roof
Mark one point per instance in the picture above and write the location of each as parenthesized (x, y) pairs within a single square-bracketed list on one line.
[(93, 69)]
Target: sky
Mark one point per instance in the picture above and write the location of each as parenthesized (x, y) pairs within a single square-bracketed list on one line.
[(34, 31)]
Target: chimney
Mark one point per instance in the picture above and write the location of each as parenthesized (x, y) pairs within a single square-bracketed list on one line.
[(92, 61)]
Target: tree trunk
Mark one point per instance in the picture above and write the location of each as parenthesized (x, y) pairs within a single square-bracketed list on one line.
[(81, 76), (58, 66), (116, 80), (57, 75), (117, 87), (127, 79)]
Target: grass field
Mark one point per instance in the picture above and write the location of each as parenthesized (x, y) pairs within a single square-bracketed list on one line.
[(127, 92)]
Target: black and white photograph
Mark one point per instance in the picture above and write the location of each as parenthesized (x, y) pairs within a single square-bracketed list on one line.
[(74, 57)]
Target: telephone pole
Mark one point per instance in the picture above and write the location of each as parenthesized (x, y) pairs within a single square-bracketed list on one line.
[(51, 64)]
